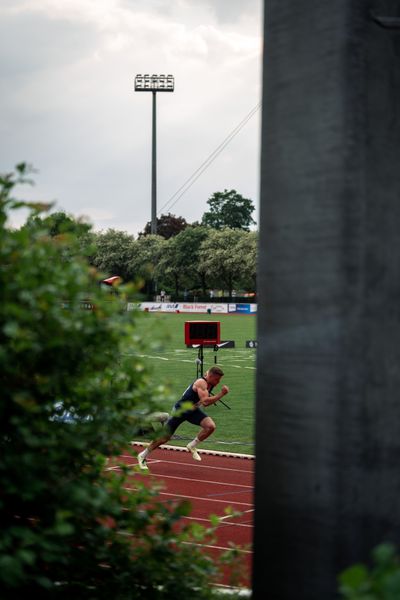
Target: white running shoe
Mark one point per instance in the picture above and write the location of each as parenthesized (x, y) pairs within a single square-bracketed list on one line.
[(142, 462), (193, 451)]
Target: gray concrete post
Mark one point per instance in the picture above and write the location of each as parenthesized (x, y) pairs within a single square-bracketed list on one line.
[(328, 373)]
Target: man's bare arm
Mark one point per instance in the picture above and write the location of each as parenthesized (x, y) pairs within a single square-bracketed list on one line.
[(205, 398)]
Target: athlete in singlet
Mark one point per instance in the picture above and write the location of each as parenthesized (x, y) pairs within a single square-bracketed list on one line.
[(189, 408)]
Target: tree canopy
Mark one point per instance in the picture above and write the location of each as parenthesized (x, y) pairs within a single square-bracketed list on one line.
[(179, 263), (167, 226), (222, 258), (64, 226), (59, 223), (144, 259), (229, 209), (113, 252)]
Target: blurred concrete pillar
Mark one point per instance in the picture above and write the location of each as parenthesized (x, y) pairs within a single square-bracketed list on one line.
[(328, 379)]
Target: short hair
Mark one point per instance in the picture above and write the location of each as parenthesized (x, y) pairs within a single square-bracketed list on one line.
[(216, 371)]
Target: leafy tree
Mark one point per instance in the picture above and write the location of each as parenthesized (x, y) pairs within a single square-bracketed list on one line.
[(167, 271), (167, 226), (247, 249), (179, 264), (147, 251), (59, 223), (229, 209), (62, 225), (221, 259), (70, 529), (113, 253)]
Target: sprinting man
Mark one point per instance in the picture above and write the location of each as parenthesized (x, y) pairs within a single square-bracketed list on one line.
[(189, 408)]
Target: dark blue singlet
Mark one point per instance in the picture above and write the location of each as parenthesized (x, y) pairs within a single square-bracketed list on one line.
[(193, 415)]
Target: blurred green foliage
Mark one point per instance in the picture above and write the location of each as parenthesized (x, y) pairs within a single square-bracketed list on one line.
[(70, 528), (379, 581)]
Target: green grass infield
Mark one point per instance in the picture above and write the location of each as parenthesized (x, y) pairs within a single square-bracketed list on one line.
[(174, 365)]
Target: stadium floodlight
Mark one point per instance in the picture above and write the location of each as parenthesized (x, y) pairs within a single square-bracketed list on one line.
[(154, 84)]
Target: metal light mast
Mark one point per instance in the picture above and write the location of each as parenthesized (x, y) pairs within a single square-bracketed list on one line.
[(154, 84)]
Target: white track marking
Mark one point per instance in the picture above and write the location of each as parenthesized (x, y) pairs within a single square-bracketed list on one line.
[(236, 485), (148, 356), (125, 533), (217, 547), (151, 461), (202, 450), (209, 522), (226, 502), (205, 498), (244, 512), (220, 518), (239, 356), (196, 466)]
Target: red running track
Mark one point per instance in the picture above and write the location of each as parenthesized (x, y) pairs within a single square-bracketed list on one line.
[(217, 482)]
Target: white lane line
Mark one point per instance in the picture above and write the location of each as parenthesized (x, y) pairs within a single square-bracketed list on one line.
[(205, 451), (208, 467), (217, 547), (205, 498), (194, 465), (250, 526), (237, 485), (244, 512), (220, 518), (127, 534), (148, 356), (135, 464), (226, 502)]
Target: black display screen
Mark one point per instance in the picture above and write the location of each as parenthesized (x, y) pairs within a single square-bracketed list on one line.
[(203, 331), (197, 332)]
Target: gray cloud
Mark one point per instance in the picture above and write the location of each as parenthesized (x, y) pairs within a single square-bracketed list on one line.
[(231, 11), (32, 42), (67, 103)]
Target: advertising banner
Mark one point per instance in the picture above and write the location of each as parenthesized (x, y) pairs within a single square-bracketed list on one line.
[(194, 307), (184, 307), (246, 308)]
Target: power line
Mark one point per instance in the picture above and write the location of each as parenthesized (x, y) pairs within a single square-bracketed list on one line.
[(204, 166)]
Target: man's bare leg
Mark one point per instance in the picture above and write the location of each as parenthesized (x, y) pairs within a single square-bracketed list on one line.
[(152, 446), (207, 428)]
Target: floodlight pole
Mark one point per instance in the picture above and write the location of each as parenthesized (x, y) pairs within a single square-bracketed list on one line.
[(154, 167), (154, 84)]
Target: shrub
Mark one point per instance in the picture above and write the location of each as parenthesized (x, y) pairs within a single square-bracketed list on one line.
[(380, 581), (70, 528)]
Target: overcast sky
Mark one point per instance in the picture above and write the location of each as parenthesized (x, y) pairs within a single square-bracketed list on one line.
[(68, 106)]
